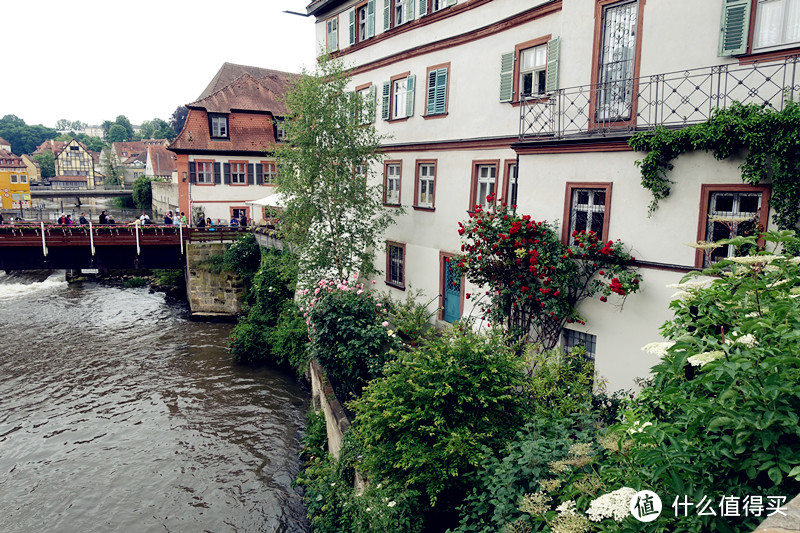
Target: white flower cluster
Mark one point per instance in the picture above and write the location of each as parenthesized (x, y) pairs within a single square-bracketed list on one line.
[(658, 348), (750, 260), (705, 357), (567, 507), (614, 505), (638, 427), (748, 340)]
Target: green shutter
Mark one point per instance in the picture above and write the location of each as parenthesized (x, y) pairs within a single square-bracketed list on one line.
[(259, 174), (734, 27), (409, 10), (217, 173), (226, 178), (369, 106), (385, 111), (437, 92), (506, 77), (250, 177), (387, 21), (410, 86), (423, 8), (352, 26), (551, 83), (451, 2), (370, 19), (192, 172)]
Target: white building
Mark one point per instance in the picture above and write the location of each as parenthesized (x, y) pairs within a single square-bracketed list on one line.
[(536, 101)]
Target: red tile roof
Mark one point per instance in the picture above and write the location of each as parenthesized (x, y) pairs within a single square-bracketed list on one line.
[(246, 93), (50, 146), (3, 141), (164, 162), (7, 159), (228, 72)]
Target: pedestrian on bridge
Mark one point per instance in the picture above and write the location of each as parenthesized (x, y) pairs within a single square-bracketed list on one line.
[(82, 221), (184, 221), (103, 218), (168, 218)]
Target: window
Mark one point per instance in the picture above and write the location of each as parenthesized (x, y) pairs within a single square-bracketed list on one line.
[(437, 90), (238, 212), (400, 12), (397, 12), (362, 22), (205, 172), (728, 211), (398, 97), (239, 173), (586, 208), (219, 125), (425, 186), (572, 338), (510, 193), (280, 130), (332, 42), (777, 23), (14, 178), (23, 179), (391, 184), (484, 183), (366, 109), (775, 26), (617, 61), (531, 70), (269, 173), (395, 264)]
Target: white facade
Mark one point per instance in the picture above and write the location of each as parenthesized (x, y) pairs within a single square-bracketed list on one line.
[(567, 138)]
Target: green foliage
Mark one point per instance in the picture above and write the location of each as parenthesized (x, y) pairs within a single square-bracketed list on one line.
[(430, 421), (288, 339), (117, 134), (243, 256), (410, 318), (143, 192), (536, 283), (135, 282), (171, 277), (95, 144), (24, 139), (560, 383), (248, 342), (177, 119), (334, 213), (769, 139), (115, 174), (156, 129), (349, 335), (47, 164)]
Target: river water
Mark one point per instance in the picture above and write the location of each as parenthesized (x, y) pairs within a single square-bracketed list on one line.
[(117, 413)]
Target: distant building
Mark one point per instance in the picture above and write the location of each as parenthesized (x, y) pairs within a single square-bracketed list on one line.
[(5, 145), (225, 148), (34, 170), (162, 165), (15, 190), (132, 156), (74, 160)]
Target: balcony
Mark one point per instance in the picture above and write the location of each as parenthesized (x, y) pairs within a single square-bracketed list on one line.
[(674, 100)]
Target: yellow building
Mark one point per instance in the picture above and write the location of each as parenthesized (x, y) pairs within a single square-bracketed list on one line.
[(15, 188)]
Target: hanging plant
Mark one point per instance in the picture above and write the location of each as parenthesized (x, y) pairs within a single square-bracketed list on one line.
[(769, 140)]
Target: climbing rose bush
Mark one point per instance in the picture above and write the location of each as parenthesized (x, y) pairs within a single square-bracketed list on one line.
[(533, 282)]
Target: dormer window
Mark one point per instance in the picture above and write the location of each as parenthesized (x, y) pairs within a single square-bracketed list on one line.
[(219, 126)]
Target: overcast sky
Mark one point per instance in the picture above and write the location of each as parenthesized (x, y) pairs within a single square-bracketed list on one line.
[(92, 60)]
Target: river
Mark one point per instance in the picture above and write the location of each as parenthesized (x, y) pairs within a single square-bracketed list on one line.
[(118, 413)]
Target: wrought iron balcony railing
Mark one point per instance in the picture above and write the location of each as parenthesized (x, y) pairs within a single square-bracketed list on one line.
[(675, 99)]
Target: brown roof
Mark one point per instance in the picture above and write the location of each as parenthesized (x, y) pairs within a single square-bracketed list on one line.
[(228, 72), (248, 132), (247, 93), (3, 141), (164, 162), (50, 146), (7, 159), (136, 150)]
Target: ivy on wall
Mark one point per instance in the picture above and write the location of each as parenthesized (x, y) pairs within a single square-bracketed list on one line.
[(769, 139)]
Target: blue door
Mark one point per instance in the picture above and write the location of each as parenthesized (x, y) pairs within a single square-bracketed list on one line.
[(452, 292)]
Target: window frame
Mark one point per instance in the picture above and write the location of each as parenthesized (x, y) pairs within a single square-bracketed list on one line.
[(510, 199), (394, 92), (332, 45), (212, 117), (204, 162), (779, 51), (590, 337), (518, 67), (566, 224), (367, 92), (388, 279), (600, 6), (448, 71), (705, 197), (476, 164), (264, 165), (233, 208), (417, 182), (243, 173), (14, 179), (443, 256), (386, 165)]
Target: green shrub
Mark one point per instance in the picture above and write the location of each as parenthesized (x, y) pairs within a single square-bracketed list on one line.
[(243, 256), (248, 343), (135, 282), (288, 339), (349, 334), (430, 422), (410, 318), (171, 277)]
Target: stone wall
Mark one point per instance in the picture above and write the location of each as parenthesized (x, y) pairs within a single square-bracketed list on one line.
[(211, 294), (783, 523), (336, 420)]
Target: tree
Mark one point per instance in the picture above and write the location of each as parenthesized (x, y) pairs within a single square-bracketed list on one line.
[(117, 133), (178, 118), (47, 164), (70, 125), (334, 213), (23, 138), (123, 121), (156, 129), (143, 192), (91, 143), (115, 174), (106, 129)]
